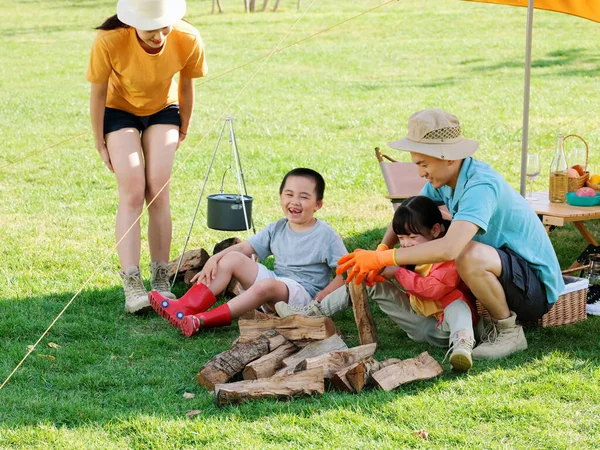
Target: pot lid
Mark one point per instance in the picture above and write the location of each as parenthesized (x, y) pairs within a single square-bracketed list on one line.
[(229, 198)]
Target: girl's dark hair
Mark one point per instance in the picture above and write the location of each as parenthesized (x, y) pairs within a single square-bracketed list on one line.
[(306, 173), (112, 23), (417, 215)]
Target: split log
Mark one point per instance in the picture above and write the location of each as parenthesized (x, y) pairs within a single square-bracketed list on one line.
[(334, 361), (331, 344), (339, 380), (224, 366), (233, 289), (359, 375), (255, 314), (309, 382), (191, 260), (266, 365), (187, 277), (367, 331), (293, 327), (423, 367)]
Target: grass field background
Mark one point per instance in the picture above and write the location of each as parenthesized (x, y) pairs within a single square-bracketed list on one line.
[(117, 381)]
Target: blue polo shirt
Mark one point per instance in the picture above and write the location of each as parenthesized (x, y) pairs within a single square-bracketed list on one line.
[(504, 218)]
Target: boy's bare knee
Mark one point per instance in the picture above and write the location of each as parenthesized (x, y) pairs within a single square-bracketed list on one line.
[(233, 259), (269, 289)]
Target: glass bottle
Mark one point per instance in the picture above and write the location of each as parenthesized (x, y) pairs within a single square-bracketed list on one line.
[(559, 178)]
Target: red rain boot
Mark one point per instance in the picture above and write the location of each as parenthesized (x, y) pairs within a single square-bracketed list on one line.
[(198, 299), (218, 317)]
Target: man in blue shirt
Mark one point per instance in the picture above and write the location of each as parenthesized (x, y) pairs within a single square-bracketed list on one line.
[(501, 248)]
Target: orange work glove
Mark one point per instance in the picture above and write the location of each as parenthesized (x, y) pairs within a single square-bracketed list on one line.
[(374, 277), (361, 262)]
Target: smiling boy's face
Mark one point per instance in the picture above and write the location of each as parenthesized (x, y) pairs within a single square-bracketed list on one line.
[(299, 201)]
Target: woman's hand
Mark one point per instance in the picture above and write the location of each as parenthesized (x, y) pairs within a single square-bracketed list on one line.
[(101, 147), (182, 137)]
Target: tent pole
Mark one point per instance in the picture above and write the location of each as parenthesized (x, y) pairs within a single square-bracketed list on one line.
[(526, 95)]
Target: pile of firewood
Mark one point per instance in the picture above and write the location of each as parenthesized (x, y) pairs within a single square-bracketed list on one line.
[(291, 357)]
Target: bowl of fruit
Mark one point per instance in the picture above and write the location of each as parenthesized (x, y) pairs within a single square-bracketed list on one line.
[(585, 196)]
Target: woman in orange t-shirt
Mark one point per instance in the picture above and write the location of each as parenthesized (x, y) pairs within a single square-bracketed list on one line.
[(140, 115)]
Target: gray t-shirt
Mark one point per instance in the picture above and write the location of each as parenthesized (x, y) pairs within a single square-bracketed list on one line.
[(307, 257)]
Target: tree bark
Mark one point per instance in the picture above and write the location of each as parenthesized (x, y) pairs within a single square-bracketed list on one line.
[(334, 361), (293, 327), (309, 382), (191, 260), (267, 365), (225, 365), (423, 367), (330, 344), (367, 331), (359, 375)]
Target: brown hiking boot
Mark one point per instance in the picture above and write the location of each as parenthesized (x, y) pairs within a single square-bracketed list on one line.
[(503, 338), (159, 280), (136, 297)]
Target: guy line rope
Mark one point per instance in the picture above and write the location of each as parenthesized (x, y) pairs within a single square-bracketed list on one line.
[(109, 253), (222, 74)]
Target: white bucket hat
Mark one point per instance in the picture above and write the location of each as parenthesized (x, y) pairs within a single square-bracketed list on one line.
[(435, 133), (150, 14)]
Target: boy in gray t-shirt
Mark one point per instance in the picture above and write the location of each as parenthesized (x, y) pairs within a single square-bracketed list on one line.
[(306, 252)]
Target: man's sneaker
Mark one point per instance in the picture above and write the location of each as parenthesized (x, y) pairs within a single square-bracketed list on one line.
[(334, 303), (136, 297), (460, 356), (504, 337), (159, 280), (313, 309)]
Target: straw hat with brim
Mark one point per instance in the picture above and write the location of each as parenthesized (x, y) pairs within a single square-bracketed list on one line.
[(150, 14), (435, 133)]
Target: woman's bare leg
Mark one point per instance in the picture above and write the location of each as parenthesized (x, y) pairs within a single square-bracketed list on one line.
[(124, 147), (159, 144)]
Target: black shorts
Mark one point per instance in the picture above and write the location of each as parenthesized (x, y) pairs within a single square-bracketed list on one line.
[(116, 119), (525, 293)]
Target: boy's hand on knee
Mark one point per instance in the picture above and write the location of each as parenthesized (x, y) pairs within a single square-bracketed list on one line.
[(208, 272)]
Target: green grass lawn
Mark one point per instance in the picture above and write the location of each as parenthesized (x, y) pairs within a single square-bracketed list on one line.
[(117, 381)]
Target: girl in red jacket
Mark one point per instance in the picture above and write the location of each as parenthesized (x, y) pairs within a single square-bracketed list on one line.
[(435, 291)]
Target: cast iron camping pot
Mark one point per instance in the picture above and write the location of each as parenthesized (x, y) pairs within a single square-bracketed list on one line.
[(225, 212)]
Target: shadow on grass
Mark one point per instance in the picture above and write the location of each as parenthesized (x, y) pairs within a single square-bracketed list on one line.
[(560, 58), (111, 366)]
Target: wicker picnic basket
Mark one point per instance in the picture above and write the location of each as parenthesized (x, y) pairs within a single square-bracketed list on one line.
[(580, 181), (569, 308)]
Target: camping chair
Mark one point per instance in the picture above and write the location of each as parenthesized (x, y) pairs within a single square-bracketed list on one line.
[(402, 180)]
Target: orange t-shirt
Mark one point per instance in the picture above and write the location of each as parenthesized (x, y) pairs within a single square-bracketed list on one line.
[(139, 82)]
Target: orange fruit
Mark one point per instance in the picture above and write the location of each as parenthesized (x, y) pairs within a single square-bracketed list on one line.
[(595, 179), (579, 169)]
